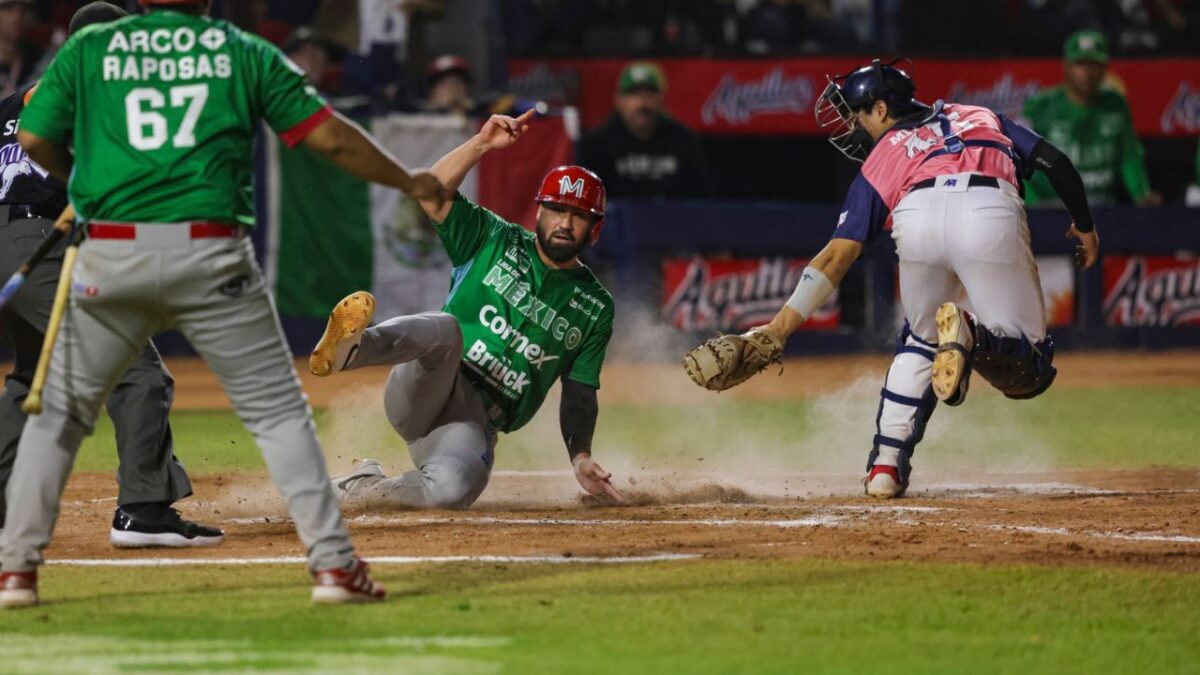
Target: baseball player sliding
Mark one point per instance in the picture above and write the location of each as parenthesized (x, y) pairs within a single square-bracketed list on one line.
[(946, 179), (163, 109), (523, 312)]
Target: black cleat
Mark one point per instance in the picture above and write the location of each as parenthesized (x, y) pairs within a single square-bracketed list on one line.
[(155, 525)]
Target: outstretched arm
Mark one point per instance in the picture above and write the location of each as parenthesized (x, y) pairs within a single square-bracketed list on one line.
[(344, 143), (577, 416), (1069, 186), (1039, 154), (499, 132), (817, 283)]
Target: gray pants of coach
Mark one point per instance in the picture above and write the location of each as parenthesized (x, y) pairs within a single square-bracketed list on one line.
[(212, 291), (138, 406), (435, 409)]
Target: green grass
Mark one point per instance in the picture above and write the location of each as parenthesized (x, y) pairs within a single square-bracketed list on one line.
[(710, 616), (1096, 428), (695, 617)]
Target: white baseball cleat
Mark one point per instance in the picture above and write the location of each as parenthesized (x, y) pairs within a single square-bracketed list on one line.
[(952, 363), (18, 589), (884, 482), (362, 469), (343, 333)]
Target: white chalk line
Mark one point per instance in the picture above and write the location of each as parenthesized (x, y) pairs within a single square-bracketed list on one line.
[(905, 513), (381, 560), (811, 521), (990, 491), (1125, 536), (814, 521)]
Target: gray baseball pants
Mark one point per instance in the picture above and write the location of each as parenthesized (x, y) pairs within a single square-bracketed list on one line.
[(138, 406), (212, 291), (435, 409)]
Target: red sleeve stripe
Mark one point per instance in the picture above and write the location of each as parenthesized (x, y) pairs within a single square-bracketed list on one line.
[(296, 135)]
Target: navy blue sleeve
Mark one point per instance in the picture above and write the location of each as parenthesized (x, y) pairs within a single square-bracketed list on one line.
[(1024, 139), (863, 213)]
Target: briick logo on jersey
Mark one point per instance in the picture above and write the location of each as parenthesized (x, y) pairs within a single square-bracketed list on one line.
[(14, 163)]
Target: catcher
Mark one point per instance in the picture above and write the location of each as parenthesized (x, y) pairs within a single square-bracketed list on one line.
[(946, 180)]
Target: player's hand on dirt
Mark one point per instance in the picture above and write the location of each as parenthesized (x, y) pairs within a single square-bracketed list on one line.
[(1089, 247), (501, 131), (595, 480), (427, 188)]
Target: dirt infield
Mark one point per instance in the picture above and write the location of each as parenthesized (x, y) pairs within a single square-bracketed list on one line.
[(1127, 518), (196, 388), (1145, 519)]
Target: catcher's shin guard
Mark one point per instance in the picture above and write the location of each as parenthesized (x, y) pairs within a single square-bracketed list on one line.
[(1016, 367), (908, 344)]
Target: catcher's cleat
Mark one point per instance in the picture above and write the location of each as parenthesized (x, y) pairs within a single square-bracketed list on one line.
[(952, 363), (339, 344), (346, 586), (884, 482), (18, 589), (362, 469)]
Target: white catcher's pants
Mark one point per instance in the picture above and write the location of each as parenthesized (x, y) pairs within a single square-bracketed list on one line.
[(954, 244)]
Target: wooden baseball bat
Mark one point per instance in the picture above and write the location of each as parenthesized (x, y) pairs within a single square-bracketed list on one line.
[(61, 227), (33, 402)]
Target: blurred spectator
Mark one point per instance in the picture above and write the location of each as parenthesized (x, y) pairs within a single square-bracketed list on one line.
[(312, 54), (642, 152), (1178, 23), (384, 50), (791, 25), (933, 26), (1092, 124), (1193, 192), (448, 85), (18, 59)]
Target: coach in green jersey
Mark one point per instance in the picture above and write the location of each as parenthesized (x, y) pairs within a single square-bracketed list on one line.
[(163, 109), (523, 313), (1092, 125)]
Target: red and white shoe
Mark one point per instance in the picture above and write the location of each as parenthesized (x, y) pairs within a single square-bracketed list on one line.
[(339, 344), (18, 589), (346, 586), (884, 482), (952, 363)]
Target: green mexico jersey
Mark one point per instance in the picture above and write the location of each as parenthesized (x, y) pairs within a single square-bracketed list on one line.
[(163, 110), (1100, 140), (524, 325)]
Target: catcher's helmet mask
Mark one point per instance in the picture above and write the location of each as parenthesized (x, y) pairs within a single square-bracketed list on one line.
[(858, 90)]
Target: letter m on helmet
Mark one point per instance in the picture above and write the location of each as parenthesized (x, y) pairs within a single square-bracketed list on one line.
[(573, 186), (567, 186)]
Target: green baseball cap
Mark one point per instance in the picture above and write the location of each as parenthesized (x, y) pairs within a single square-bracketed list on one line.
[(1086, 45), (641, 75)]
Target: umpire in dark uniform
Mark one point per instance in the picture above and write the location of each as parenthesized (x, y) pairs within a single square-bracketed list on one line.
[(150, 477)]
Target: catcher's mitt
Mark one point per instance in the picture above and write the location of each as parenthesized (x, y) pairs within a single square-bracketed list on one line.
[(729, 360)]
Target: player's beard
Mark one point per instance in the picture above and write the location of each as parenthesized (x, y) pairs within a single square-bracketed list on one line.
[(558, 250)]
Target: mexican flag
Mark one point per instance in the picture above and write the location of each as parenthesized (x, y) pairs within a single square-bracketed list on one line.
[(330, 234)]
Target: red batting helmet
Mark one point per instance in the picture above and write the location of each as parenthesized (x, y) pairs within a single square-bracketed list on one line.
[(573, 186)]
